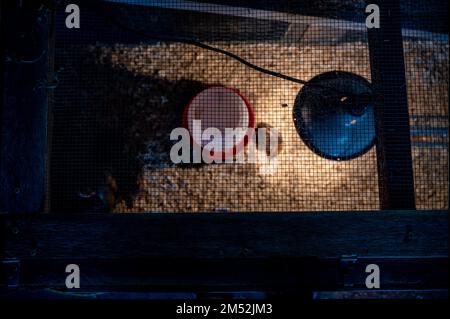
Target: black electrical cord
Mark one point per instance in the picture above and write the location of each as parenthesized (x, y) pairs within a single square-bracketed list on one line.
[(203, 46), (245, 62), (355, 97)]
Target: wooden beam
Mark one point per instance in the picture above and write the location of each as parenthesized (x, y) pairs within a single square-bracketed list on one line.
[(24, 114), (228, 235), (270, 275), (395, 173), (297, 13), (2, 67), (271, 252)]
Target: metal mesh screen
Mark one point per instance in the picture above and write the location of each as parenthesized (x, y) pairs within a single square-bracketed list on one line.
[(126, 76), (426, 62)]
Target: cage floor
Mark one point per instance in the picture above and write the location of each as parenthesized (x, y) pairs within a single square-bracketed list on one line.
[(139, 92)]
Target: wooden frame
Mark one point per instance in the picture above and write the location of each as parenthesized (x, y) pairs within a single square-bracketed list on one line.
[(395, 171), (301, 252)]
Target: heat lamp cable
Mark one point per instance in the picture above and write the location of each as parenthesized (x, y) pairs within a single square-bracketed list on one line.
[(202, 45)]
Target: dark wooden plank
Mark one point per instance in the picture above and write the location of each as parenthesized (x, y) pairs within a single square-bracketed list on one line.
[(440, 294), (24, 117), (236, 274), (184, 274), (395, 174), (2, 65), (295, 253), (252, 235), (115, 22), (46, 294), (416, 14), (53, 83)]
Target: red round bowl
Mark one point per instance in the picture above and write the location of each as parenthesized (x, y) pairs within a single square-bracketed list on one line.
[(221, 107)]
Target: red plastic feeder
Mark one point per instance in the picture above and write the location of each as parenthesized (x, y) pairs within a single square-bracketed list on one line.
[(220, 107)]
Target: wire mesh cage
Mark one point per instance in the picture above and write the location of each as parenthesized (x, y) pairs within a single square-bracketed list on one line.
[(125, 78)]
